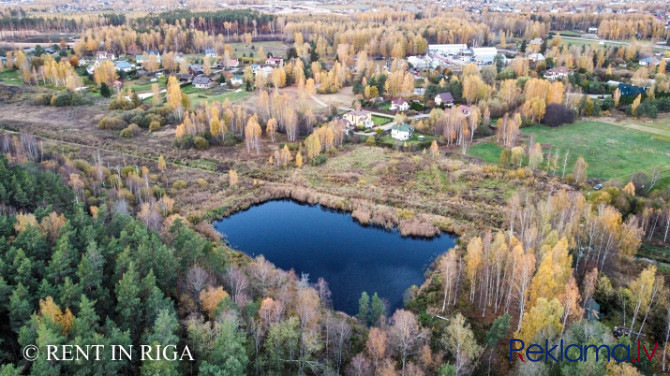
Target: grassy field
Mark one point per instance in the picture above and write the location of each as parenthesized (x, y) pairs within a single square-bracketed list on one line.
[(485, 151), (612, 152), (381, 120), (198, 96), (10, 76), (277, 48)]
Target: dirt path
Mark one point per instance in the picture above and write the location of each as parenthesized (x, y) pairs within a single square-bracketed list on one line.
[(637, 127)]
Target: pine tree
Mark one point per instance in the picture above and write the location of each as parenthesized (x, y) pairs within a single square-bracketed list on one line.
[(363, 307)]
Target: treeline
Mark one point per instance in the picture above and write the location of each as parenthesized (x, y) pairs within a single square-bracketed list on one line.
[(220, 21), (17, 20)]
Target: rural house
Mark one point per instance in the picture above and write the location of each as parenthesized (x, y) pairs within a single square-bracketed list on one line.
[(203, 82), (359, 118), (444, 98), (399, 104), (402, 132)]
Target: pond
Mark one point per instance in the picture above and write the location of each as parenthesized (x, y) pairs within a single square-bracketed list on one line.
[(325, 243)]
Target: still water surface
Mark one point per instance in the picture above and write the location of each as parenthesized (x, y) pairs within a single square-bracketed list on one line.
[(329, 244)]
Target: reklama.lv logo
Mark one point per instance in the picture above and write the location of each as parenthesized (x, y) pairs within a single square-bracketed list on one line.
[(559, 352)]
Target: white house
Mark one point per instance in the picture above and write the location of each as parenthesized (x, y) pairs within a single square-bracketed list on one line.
[(444, 98), (104, 55), (402, 132), (535, 57), (231, 63), (274, 61), (203, 82), (359, 118), (236, 80), (123, 66), (536, 41), (211, 53), (484, 55), (557, 73), (447, 49), (419, 62), (593, 30), (399, 104), (255, 68)]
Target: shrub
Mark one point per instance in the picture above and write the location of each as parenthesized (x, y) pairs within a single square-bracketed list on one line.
[(557, 114), (202, 182), (154, 126), (67, 99), (43, 100), (130, 132), (179, 184), (319, 160), (200, 143), (113, 123)]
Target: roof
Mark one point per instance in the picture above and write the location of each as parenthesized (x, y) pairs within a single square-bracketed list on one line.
[(404, 127), (122, 64), (359, 112), (398, 101), (630, 90), (446, 97), (201, 80), (272, 58), (560, 70)]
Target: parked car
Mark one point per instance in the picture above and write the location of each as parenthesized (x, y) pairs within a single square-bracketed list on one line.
[(598, 187)]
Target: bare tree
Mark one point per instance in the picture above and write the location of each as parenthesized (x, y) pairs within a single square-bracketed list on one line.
[(196, 279), (405, 334)]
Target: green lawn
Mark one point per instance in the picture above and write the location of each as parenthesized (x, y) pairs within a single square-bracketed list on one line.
[(426, 140), (9, 75), (485, 151), (381, 120), (199, 95), (612, 152), (277, 48)]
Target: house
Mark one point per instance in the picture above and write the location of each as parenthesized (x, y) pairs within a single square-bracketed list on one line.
[(484, 55), (104, 55), (139, 59), (359, 118), (419, 62), (155, 53), (535, 57), (211, 53), (123, 66), (399, 104), (631, 90), (185, 77), (255, 68), (649, 61), (444, 98), (402, 132), (267, 71), (536, 41), (557, 73), (236, 80), (203, 82), (195, 69), (274, 61), (447, 49), (592, 30), (231, 63), (90, 69)]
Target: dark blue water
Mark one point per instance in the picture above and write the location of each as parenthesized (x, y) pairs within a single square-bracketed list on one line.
[(324, 243)]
